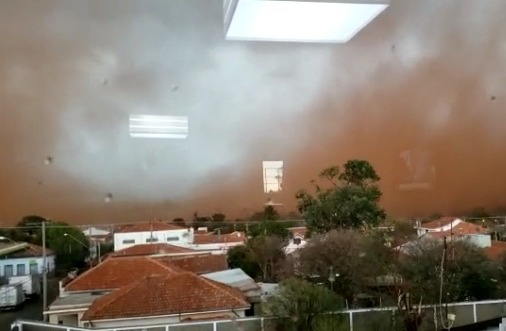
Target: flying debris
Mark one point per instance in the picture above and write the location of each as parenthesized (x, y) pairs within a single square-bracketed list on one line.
[(48, 160), (174, 87), (492, 97), (108, 198), (393, 48), (272, 203)]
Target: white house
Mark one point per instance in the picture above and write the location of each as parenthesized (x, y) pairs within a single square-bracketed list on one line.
[(440, 225), (218, 243), (153, 232), (297, 239), (21, 259)]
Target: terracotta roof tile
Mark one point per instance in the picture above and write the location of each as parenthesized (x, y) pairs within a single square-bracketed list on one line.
[(149, 226), (463, 228), (114, 273), (166, 295), (497, 249), (234, 237), (443, 221), (199, 264), (152, 249)]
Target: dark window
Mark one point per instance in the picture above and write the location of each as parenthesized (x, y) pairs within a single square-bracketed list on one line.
[(20, 270), (34, 269), (297, 241), (172, 238), (8, 270), (129, 241), (151, 240)]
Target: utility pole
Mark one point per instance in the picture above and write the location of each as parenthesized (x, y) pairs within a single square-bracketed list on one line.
[(44, 271), (445, 248)]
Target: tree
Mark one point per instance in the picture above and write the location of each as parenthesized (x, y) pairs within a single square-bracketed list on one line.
[(241, 257), (344, 200), (218, 218), (302, 306), (179, 221), (69, 245), (468, 274), (268, 252), (355, 258)]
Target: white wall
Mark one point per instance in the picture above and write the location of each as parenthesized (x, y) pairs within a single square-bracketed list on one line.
[(26, 261), (124, 240), (147, 321), (69, 319)]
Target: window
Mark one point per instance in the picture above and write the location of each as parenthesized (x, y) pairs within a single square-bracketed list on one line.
[(172, 238), (8, 270), (297, 241), (129, 241), (34, 269), (20, 270), (152, 240)]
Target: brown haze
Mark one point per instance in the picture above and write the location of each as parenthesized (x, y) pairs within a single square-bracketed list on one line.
[(426, 75)]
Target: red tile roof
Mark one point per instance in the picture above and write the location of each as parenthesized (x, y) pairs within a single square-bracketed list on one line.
[(199, 264), (438, 223), (151, 226), (114, 273), (234, 237), (152, 249), (495, 251), (166, 295), (460, 229)]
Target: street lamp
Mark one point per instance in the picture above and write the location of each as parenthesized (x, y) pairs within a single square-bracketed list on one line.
[(332, 278)]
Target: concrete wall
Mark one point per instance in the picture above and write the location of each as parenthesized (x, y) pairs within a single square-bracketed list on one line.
[(352, 320)]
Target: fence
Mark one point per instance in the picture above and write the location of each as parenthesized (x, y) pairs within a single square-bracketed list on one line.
[(351, 320)]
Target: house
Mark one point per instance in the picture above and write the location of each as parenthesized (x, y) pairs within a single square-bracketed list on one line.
[(447, 224), (166, 299), (20, 259), (152, 232), (297, 239), (155, 249), (97, 235), (217, 242), (78, 295)]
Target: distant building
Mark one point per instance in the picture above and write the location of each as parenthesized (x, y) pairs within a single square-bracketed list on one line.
[(21, 259), (152, 232)]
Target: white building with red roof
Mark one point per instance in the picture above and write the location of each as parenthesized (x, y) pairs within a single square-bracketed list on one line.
[(151, 232)]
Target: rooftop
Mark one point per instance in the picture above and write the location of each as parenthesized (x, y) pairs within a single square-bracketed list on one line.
[(115, 273), (149, 226), (75, 301), (234, 237), (461, 228), (443, 221), (21, 250), (199, 264), (299, 231), (152, 249), (166, 295)]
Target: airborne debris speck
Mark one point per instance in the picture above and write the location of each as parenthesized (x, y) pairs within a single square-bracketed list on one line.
[(48, 160)]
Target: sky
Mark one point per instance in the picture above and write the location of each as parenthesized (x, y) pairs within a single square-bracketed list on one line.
[(426, 76)]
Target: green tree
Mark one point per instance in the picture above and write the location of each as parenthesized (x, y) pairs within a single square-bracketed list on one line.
[(468, 274), (241, 257), (303, 306), (268, 252), (353, 259), (69, 245), (344, 200), (218, 218)]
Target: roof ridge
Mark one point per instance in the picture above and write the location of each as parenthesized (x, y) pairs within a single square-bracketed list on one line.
[(169, 267)]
